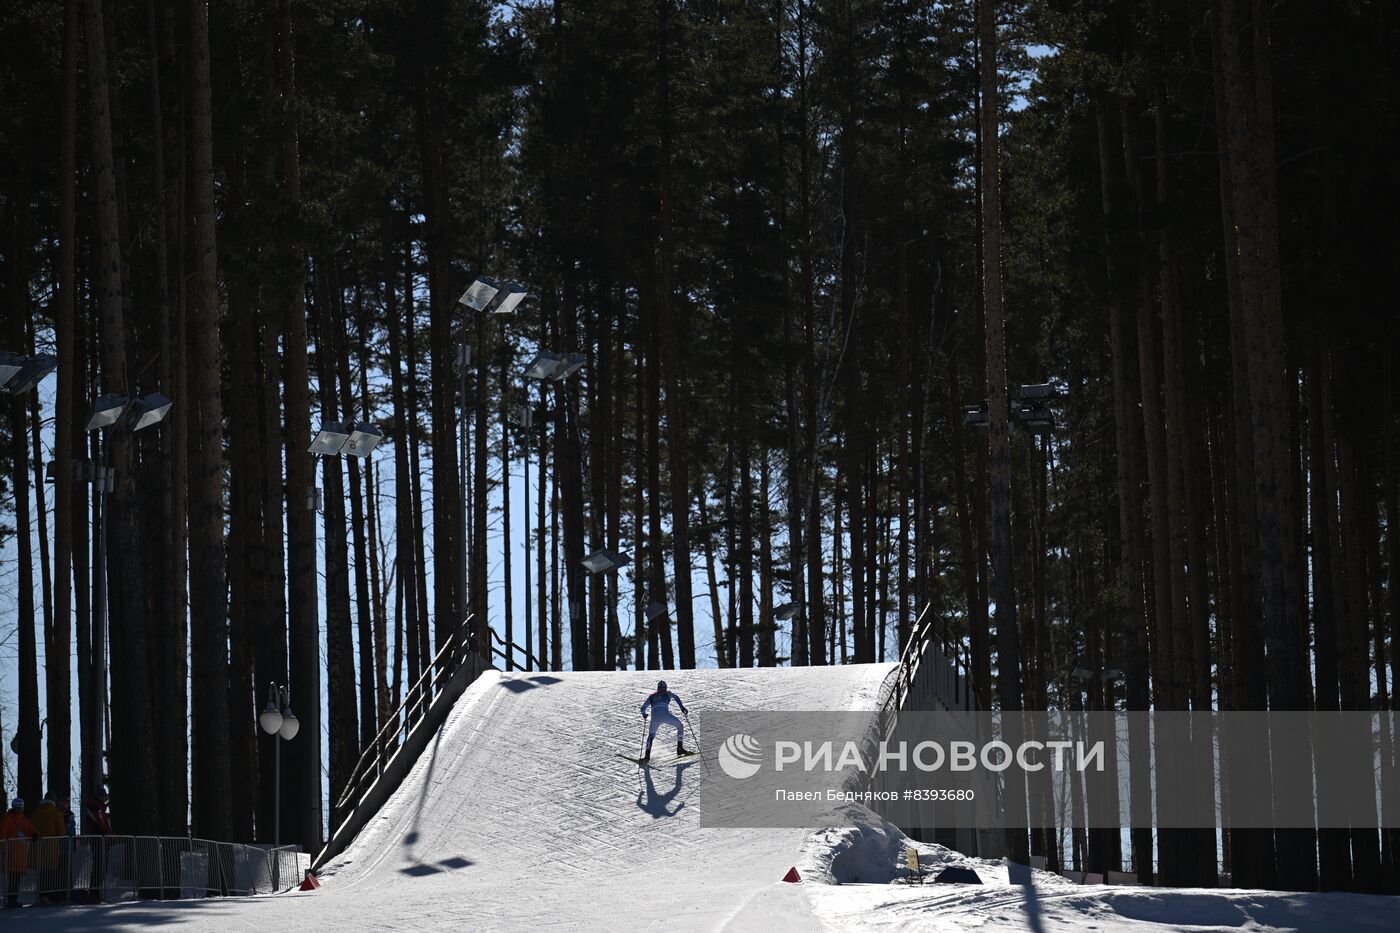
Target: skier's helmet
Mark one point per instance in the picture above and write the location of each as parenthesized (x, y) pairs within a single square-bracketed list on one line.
[(660, 685)]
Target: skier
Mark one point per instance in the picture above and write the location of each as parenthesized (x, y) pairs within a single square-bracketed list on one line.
[(659, 703)]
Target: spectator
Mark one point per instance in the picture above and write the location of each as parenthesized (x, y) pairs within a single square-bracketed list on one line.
[(70, 822), (49, 851), (48, 820), (97, 814), (16, 831)]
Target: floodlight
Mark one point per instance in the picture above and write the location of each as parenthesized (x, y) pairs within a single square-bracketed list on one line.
[(975, 416), (514, 293), (544, 366), (330, 439), (10, 365), (1039, 390), (655, 610), (106, 411), (480, 294), (573, 362), (1036, 418), (785, 611), (148, 410), (31, 369), (363, 439), (603, 560)]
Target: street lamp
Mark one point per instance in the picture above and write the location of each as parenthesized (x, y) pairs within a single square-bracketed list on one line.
[(281, 723), (19, 374)]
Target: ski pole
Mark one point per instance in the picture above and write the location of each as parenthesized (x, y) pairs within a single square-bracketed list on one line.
[(696, 735), (644, 737)]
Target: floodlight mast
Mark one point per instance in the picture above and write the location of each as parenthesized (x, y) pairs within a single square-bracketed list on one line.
[(484, 295), (115, 412)]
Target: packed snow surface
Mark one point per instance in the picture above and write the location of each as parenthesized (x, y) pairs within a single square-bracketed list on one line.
[(519, 816)]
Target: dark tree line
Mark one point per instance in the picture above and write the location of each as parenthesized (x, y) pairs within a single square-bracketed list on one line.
[(792, 241)]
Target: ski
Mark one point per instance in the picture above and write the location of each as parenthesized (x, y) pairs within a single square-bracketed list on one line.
[(653, 762)]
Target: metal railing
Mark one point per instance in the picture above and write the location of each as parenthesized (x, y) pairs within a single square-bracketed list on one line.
[(508, 650), (417, 700), (944, 675), (98, 869), (401, 721)]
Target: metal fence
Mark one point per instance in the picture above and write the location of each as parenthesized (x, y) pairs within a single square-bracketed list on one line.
[(95, 869)]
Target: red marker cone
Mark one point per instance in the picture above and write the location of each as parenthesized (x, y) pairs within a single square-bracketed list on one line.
[(310, 884), (792, 877)]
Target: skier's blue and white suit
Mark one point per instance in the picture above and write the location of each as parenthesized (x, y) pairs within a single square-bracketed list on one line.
[(659, 703)]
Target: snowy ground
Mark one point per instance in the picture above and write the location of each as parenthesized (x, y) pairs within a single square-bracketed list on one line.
[(520, 817)]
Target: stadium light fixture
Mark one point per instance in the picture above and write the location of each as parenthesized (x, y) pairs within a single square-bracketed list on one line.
[(480, 293), (19, 374), (605, 561), (330, 440), (544, 366), (148, 410), (363, 439), (106, 411)]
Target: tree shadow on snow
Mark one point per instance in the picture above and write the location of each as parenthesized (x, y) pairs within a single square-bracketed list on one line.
[(1033, 916), (658, 805)]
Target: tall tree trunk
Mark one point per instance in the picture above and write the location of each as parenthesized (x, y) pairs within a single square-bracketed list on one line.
[(970, 560), (57, 675), (30, 769), (675, 334), (449, 605), (208, 617), (999, 426), (405, 566), (303, 778), (1127, 432), (342, 715), (419, 626), (364, 619)]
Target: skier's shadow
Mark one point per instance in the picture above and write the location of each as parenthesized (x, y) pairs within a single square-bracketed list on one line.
[(658, 805)]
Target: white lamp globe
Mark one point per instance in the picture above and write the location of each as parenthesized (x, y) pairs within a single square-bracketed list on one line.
[(290, 725), (269, 719)]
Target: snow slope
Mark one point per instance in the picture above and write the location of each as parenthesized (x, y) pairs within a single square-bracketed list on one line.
[(520, 817)]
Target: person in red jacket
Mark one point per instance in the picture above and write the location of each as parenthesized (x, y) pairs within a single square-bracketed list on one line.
[(18, 834)]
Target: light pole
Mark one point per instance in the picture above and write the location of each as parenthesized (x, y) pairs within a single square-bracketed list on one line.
[(116, 412), (278, 722), (555, 368), (498, 297)]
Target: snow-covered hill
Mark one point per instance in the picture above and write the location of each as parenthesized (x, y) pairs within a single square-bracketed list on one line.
[(520, 817)]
